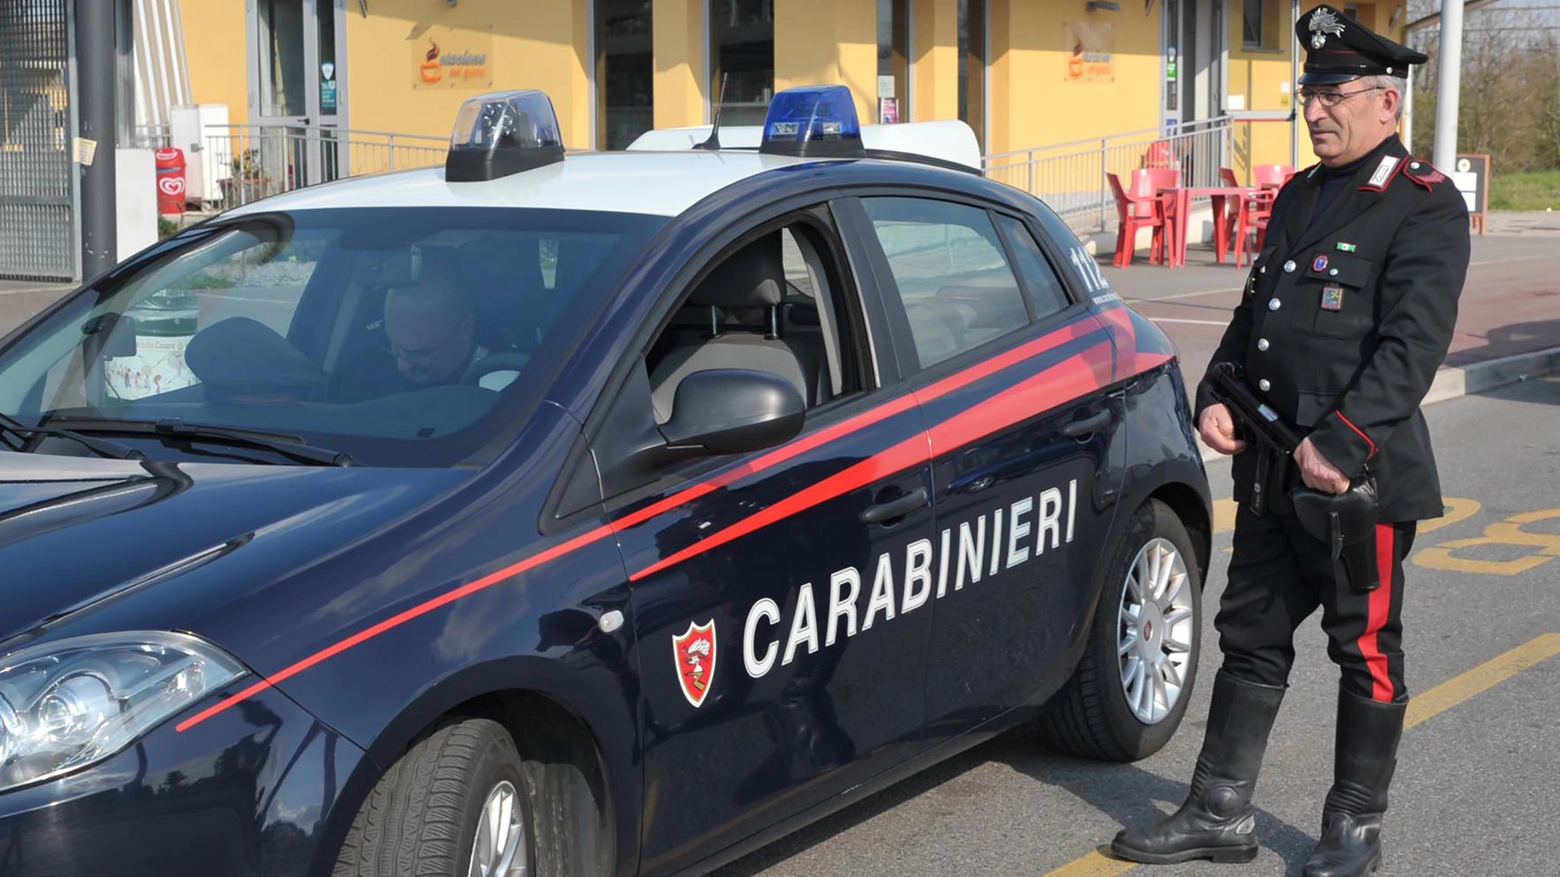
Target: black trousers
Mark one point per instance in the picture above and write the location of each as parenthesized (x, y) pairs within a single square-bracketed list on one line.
[(1280, 574)]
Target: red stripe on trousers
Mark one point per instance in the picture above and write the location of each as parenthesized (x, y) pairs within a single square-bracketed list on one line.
[(1380, 606)]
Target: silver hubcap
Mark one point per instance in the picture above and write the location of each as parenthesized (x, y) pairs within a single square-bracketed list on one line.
[(499, 849), (1154, 627)]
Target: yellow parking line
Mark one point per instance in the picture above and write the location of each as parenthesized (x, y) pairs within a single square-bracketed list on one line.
[(1422, 707), (1485, 676), (1223, 516), (1457, 509), (1093, 865)]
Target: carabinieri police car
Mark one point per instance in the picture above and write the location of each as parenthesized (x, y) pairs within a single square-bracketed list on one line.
[(550, 513)]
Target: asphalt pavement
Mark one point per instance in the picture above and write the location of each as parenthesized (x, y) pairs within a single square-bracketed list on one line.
[(1476, 790), (19, 300)]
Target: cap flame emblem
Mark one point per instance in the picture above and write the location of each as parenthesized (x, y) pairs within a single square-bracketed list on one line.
[(1324, 21)]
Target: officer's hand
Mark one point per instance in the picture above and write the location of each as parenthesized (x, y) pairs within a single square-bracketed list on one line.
[(1317, 472), (1218, 430)]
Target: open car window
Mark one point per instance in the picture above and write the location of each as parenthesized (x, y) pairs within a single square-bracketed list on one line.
[(398, 336)]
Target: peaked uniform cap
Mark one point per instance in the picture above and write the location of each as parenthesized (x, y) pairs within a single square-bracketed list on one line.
[(1339, 49)]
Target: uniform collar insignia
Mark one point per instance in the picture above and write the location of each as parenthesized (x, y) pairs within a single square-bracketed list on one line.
[(1378, 180)]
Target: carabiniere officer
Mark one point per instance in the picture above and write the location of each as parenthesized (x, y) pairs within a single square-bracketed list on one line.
[(1346, 315)]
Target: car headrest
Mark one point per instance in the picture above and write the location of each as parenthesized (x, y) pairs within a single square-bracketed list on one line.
[(239, 354), (753, 276)]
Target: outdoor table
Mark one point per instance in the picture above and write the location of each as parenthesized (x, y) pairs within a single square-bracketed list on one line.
[(1183, 195)]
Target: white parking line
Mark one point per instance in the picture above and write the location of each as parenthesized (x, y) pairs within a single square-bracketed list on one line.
[(1181, 295)]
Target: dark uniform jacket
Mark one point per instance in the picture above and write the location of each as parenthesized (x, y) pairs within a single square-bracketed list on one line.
[(1346, 318)]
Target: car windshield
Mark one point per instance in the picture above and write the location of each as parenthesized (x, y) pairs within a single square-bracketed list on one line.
[(398, 336)]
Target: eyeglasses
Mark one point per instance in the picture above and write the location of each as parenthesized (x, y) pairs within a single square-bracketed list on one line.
[(425, 354), (1330, 99)]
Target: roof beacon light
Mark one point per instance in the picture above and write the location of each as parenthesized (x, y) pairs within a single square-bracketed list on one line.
[(812, 120), (501, 134)]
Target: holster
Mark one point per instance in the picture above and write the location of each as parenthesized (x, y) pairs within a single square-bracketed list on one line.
[(1347, 523)]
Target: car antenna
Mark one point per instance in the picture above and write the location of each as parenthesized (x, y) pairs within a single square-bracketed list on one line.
[(713, 143)]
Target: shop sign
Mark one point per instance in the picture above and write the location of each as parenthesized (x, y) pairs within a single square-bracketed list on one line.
[(1091, 51), (445, 57)]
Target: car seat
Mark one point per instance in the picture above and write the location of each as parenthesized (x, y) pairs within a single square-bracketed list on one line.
[(752, 277)]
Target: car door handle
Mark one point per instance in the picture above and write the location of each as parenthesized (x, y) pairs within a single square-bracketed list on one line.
[(895, 508), (1089, 424)]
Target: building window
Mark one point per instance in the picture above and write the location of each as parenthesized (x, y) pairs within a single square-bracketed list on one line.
[(742, 52), (1251, 25), (893, 22), (625, 71), (1262, 26), (972, 67)]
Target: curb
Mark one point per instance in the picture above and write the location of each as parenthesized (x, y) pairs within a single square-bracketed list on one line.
[(1452, 383)]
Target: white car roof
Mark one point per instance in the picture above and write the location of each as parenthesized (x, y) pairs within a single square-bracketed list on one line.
[(659, 183), (660, 174), (949, 140)]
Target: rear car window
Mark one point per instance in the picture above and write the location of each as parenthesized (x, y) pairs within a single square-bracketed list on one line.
[(395, 335), (951, 273)]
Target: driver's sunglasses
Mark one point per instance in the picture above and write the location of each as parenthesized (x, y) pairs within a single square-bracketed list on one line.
[(1330, 99)]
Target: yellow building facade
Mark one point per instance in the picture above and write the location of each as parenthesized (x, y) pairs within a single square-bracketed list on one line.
[(1026, 74)]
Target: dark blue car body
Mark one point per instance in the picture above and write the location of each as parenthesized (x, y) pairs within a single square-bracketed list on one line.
[(370, 602)]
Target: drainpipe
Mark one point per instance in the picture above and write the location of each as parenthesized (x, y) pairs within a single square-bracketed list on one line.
[(1294, 88), (95, 65)]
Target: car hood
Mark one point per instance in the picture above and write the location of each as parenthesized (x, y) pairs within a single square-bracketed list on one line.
[(78, 532)]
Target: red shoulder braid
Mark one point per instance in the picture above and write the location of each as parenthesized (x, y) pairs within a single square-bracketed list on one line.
[(1423, 173)]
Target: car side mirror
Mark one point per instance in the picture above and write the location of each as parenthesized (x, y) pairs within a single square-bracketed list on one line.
[(733, 411)]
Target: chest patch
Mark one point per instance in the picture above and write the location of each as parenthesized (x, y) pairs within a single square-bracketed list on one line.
[(1332, 297)]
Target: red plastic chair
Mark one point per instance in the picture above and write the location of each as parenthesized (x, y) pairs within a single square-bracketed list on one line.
[(1271, 176), (1159, 179), (1137, 207), (1239, 222), (1160, 154)]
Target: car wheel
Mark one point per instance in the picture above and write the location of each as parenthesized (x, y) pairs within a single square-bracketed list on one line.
[(456, 804), (1130, 690)]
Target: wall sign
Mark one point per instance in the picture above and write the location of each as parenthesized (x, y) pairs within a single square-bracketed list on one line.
[(450, 58), (1092, 48)]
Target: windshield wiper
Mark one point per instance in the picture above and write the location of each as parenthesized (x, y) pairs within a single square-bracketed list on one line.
[(101, 447), (287, 446)]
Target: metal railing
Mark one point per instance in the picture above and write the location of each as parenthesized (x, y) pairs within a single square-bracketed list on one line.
[(1071, 177), (251, 162)]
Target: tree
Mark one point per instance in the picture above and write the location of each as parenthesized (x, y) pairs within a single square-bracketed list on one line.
[(1509, 90)]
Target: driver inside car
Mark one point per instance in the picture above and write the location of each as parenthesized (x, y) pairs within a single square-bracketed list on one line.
[(431, 328)]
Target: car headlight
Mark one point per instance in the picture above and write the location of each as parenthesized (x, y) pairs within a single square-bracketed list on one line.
[(70, 703)]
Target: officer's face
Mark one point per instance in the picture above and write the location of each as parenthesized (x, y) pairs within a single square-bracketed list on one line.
[(1347, 121)]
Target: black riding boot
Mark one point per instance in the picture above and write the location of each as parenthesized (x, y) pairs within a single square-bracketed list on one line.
[(1216, 821), (1366, 755)]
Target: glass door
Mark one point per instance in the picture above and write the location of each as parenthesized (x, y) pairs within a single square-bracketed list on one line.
[(293, 140)]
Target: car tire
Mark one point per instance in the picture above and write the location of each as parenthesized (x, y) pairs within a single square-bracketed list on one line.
[(1092, 716), (425, 815)]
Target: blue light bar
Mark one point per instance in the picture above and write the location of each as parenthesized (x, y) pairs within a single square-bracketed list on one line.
[(501, 134), (812, 120)]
